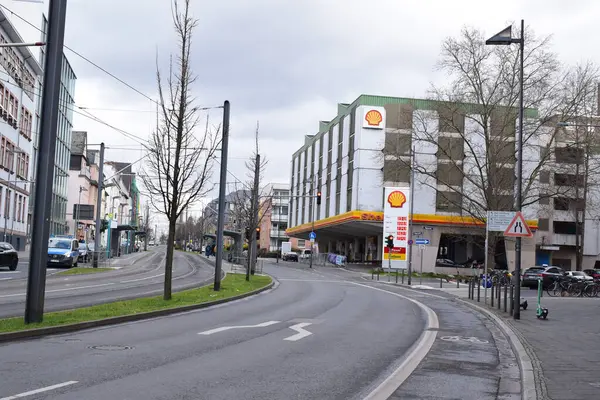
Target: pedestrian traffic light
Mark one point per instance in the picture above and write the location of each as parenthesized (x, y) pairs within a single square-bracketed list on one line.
[(318, 198), (257, 233), (389, 241)]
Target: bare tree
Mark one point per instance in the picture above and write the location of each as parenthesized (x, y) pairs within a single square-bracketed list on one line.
[(248, 211), (181, 162), (471, 126)]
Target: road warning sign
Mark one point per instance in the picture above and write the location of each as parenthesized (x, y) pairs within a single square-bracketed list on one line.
[(518, 227)]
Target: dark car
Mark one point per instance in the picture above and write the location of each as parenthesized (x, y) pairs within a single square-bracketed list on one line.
[(290, 257), (8, 256), (548, 275)]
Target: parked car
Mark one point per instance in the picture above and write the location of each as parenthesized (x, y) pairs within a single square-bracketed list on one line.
[(594, 273), (290, 256), (579, 275), (8, 256), (548, 275), (305, 254)]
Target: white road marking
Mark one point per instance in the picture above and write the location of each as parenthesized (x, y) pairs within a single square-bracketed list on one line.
[(11, 272), (142, 279), (40, 390), (226, 328), (302, 333), (4, 279)]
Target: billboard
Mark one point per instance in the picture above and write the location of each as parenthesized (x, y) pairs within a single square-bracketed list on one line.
[(85, 212), (395, 223)]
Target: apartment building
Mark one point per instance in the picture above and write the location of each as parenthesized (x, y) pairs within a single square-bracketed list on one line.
[(368, 145), (569, 219), (274, 214), (19, 99)]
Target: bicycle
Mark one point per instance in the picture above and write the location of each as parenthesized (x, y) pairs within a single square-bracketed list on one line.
[(559, 287)]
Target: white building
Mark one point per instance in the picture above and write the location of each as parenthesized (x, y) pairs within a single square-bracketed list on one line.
[(274, 217), (367, 146), (19, 98)]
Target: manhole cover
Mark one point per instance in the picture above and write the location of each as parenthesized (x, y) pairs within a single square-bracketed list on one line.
[(108, 347)]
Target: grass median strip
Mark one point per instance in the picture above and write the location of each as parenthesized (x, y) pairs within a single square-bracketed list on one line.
[(84, 270), (232, 285)]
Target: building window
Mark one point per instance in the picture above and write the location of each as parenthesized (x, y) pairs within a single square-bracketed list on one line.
[(18, 216), (301, 243), (544, 176), (448, 202), (543, 224), (15, 207), (23, 209), (6, 203), (569, 155)]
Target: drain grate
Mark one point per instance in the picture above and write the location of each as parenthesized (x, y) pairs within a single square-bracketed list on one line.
[(109, 347)]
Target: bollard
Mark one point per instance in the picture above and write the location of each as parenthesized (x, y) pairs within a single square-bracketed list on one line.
[(377, 275), (472, 288), (512, 299), (403, 277), (457, 282), (441, 283), (499, 295), (505, 296), (396, 276), (372, 274), (492, 295), (388, 274), (478, 290)]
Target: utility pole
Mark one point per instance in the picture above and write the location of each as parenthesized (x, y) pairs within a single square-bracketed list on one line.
[(147, 226), (410, 212), (222, 187), (254, 215), (36, 280), (96, 254)]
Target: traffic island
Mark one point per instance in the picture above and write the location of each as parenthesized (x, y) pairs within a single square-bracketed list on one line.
[(233, 287), (84, 271)]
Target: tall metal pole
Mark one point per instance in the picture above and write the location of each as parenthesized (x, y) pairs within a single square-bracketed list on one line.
[(222, 187), (410, 212), (254, 208), (312, 217), (96, 254), (277, 246), (517, 311), (36, 280), (147, 227), (77, 214)]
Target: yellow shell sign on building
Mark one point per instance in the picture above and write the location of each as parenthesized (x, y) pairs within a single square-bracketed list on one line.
[(373, 118)]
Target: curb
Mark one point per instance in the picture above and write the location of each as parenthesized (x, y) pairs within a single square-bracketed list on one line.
[(53, 330), (528, 387)]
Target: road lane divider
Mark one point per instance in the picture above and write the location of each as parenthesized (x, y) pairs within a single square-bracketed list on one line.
[(40, 390)]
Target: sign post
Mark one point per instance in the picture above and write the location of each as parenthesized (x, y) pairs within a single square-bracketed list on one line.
[(396, 224), (497, 221)]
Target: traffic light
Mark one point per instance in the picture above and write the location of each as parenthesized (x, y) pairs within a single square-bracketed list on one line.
[(389, 241), (257, 233), (318, 198), (247, 233)]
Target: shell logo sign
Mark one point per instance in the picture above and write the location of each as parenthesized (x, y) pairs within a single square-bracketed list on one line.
[(373, 118), (396, 199)]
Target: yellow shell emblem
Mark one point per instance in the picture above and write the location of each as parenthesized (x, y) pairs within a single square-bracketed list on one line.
[(373, 118), (396, 199)]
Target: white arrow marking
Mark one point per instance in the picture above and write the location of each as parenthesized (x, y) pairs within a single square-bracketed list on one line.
[(302, 333), (226, 328)]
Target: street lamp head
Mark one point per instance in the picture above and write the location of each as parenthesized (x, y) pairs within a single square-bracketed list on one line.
[(502, 38)]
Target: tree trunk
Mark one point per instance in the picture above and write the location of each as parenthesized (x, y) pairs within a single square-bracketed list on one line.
[(169, 261)]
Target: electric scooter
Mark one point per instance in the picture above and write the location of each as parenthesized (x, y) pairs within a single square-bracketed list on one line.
[(541, 312)]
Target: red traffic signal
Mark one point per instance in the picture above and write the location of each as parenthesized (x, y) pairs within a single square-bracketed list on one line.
[(318, 198), (390, 241)]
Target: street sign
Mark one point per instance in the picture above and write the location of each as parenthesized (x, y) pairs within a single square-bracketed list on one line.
[(498, 221), (410, 242), (422, 241), (428, 228), (312, 240), (417, 233), (312, 236), (422, 247), (518, 227)]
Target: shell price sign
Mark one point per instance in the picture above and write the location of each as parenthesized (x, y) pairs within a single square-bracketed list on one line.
[(395, 223)]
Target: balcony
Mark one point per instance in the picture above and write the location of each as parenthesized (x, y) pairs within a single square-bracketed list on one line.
[(280, 201), (279, 217), (86, 171), (278, 233), (563, 239)]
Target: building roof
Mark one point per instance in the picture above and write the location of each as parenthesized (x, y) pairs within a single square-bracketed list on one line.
[(124, 171), (345, 109), (14, 37)]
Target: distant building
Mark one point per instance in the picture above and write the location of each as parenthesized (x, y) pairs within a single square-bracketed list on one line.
[(274, 221), (19, 99)]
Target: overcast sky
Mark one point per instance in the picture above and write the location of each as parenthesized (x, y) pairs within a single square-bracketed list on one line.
[(284, 63)]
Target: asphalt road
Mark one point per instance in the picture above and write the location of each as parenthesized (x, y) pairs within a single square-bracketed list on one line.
[(142, 277), (320, 334)]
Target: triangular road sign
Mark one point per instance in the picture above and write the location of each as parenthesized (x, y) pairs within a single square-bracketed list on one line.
[(518, 227)]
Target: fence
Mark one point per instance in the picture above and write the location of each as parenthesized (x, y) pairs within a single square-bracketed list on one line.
[(240, 264)]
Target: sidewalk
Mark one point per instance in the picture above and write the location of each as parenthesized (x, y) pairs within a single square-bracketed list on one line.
[(563, 348)]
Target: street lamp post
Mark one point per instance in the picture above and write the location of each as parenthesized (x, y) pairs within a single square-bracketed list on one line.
[(505, 38)]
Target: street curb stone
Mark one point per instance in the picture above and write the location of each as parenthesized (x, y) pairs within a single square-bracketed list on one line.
[(528, 382), (53, 330)]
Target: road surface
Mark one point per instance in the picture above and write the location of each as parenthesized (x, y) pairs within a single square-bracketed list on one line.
[(142, 278), (320, 334)]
